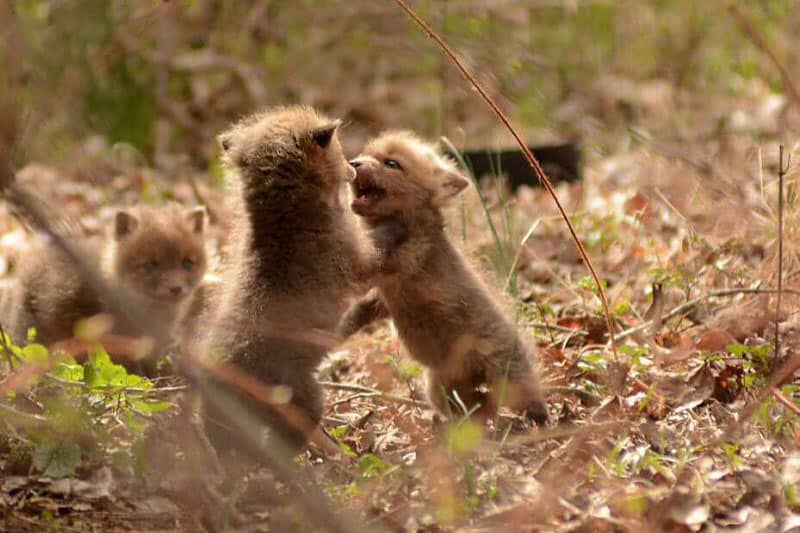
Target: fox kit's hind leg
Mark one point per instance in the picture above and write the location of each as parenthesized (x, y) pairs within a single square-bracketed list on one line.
[(524, 395), (516, 385), (481, 394)]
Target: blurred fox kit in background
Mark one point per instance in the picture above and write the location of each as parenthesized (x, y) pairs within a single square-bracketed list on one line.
[(155, 255)]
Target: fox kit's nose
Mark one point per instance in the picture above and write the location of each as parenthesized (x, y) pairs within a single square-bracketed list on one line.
[(176, 289), (355, 163)]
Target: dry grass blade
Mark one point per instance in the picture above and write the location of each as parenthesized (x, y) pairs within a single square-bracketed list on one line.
[(537, 168), (691, 304), (782, 169)]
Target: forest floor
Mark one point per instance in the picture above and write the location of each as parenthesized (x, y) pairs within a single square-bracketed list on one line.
[(684, 429)]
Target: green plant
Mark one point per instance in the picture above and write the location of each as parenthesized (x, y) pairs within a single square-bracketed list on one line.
[(88, 411)]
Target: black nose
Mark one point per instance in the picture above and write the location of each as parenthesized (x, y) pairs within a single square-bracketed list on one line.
[(355, 163), (176, 289)]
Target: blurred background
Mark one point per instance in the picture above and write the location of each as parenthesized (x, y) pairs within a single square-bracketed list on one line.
[(163, 77), (678, 102)]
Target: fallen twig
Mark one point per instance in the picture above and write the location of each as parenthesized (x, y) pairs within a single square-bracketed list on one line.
[(375, 393), (18, 418), (687, 306), (786, 401), (553, 327), (127, 390)]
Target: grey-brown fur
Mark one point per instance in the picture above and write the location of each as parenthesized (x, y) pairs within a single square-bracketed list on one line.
[(444, 314), (156, 256), (296, 258)]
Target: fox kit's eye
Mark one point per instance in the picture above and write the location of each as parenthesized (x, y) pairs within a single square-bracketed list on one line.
[(391, 163), (188, 264), (149, 267)]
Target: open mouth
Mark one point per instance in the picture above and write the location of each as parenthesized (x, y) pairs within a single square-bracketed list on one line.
[(367, 193)]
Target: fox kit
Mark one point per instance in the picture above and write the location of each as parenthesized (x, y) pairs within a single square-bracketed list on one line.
[(296, 257), (444, 314), (156, 255)]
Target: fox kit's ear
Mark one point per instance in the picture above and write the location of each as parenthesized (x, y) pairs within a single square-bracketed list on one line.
[(322, 136), (453, 182), (197, 218), (124, 224), (224, 141)]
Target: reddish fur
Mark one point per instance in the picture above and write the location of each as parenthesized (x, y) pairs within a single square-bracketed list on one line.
[(51, 295), (444, 313)]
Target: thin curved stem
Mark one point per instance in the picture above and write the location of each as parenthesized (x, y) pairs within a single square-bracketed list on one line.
[(537, 168)]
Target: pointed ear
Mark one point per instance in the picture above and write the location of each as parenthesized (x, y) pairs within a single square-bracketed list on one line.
[(224, 141), (197, 218), (322, 136), (124, 224), (453, 182)]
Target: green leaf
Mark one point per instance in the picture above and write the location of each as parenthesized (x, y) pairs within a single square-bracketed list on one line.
[(738, 349), (57, 459), (622, 308), (464, 437), (411, 369), (36, 354), (151, 406), (69, 370), (339, 433), (372, 466), (101, 372), (347, 450)]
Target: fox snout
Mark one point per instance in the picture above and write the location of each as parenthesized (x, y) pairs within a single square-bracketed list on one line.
[(364, 164)]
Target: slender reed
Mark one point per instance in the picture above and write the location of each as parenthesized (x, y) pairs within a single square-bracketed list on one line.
[(537, 168)]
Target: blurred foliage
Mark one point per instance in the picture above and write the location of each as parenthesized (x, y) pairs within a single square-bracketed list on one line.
[(94, 412), (166, 76)]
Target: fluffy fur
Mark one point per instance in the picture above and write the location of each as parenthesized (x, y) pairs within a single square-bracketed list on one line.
[(296, 259), (156, 255), (444, 314)]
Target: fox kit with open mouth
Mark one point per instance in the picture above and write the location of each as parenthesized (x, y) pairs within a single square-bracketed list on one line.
[(443, 312)]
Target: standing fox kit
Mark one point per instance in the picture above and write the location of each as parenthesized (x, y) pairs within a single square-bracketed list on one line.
[(444, 314), (296, 257), (156, 255)]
